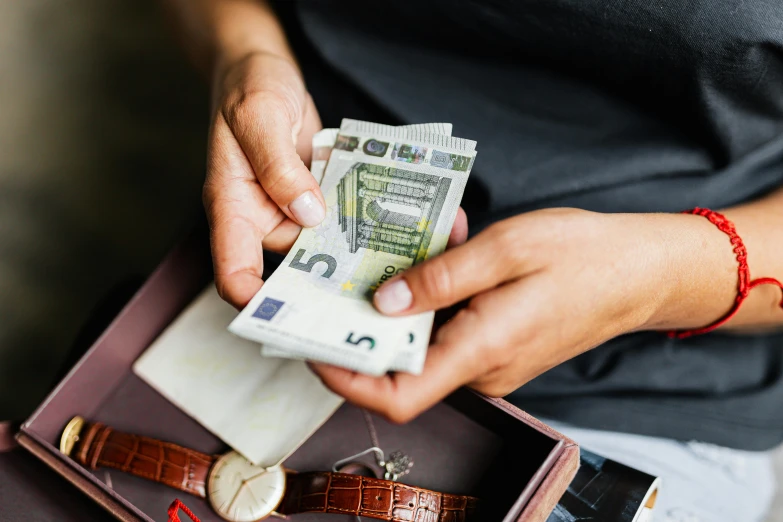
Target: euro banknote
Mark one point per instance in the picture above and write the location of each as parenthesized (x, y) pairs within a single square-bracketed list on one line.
[(410, 357), (392, 195)]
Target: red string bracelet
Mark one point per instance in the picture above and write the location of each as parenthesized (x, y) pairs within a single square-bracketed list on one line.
[(744, 286), (175, 507)]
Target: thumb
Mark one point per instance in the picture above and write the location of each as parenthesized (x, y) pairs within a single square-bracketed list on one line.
[(444, 280), (264, 130)]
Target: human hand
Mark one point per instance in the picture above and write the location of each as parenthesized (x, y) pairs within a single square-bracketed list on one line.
[(544, 287), (258, 190)]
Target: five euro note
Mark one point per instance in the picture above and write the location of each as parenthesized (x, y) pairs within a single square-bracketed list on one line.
[(392, 195)]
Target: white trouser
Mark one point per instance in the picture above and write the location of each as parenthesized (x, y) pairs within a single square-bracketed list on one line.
[(699, 482)]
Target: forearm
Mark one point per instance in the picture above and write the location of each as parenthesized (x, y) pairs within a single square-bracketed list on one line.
[(214, 32), (703, 283)]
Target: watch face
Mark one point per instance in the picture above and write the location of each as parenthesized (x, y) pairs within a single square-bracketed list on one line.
[(240, 491)]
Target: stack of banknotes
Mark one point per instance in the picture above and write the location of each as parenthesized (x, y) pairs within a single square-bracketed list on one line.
[(392, 195)]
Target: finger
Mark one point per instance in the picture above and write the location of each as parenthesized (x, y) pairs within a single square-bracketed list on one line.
[(401, 396), (459, 232), (516, 318), (236, 254), (461, 272), (311, 123), (282, 238), (265, 130), (239, 214)]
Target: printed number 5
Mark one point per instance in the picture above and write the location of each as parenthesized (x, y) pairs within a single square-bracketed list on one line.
[(360, 339), (331, 263)]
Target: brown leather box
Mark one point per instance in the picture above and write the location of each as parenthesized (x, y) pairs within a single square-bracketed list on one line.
[(468, 444)]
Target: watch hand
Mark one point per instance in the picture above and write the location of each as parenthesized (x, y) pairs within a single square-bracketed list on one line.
[(234, 498), (249, 479)]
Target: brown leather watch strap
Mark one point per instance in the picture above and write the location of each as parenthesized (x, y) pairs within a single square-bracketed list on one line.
[(178, 467), (326, 492)]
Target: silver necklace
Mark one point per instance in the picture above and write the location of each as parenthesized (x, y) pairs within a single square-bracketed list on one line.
[(397, 465)]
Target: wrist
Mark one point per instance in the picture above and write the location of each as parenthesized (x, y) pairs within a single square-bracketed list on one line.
[(697, 272), (253, 63), (245, 28)]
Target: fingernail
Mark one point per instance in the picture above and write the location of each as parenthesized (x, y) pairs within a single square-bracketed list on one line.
[(393, 297), (307, 209)]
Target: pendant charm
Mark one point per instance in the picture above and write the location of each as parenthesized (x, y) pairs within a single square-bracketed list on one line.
[(399, 464)]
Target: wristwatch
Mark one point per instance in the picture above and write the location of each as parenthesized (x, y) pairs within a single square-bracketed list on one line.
[(240, 491)]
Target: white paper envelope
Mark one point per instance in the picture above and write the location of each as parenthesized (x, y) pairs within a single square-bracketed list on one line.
[(262, 407)]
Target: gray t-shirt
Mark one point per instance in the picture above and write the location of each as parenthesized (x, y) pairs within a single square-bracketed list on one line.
[(611, 106)]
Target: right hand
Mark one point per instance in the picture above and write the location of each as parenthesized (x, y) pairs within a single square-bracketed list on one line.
[(258, 189)]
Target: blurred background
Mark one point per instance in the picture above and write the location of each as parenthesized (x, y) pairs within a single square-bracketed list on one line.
[(102, 143), (102, 137)]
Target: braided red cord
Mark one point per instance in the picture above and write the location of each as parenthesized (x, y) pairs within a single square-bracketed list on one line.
[(744, 285), (175, 507)]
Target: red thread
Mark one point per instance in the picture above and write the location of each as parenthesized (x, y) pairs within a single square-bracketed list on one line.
[(175, 507), (744, 285)]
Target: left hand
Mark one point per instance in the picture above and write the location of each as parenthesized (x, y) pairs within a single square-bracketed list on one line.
[(258, 190), (544, 287)]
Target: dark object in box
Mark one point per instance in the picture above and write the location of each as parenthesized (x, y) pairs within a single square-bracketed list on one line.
[(468, 444)]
